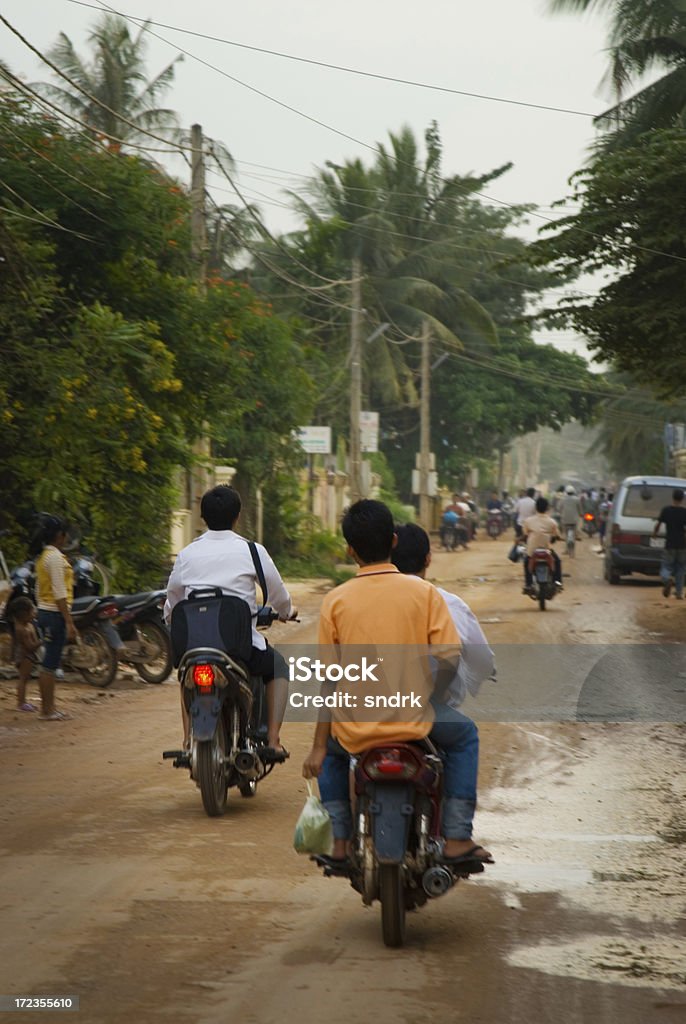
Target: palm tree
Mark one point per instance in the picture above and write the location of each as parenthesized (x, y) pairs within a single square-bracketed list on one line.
[(124, 103), (644, 35)]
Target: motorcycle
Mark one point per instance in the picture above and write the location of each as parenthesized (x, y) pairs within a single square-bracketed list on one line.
[(589, 524), (212, 638), (396, 846), (132, 628), (454, 535), (146, 641), (494, 523), (543, 586)]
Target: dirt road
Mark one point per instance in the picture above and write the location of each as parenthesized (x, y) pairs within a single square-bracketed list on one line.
[(116, 887)]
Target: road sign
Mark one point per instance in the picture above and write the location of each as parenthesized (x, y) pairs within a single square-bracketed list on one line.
[(369, 431), (315, 440)]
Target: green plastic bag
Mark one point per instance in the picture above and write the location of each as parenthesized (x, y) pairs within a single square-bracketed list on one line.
[(313, 832)]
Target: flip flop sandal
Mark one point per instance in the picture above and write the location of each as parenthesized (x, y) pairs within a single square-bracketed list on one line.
[(27, 707), (56, 716), (468, 858), (338, 867)]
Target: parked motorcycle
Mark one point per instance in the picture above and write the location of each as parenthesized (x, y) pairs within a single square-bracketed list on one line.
[(146, 641), (542, 567), (212, 638), (131, 626), (494, 523), (396, 847)]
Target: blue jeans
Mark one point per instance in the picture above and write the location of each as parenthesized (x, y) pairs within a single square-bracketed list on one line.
[(457, 738), (674, 565)]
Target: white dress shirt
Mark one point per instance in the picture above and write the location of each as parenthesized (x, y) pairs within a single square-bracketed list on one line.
[(477, 660), (524, 508), (221, 558)]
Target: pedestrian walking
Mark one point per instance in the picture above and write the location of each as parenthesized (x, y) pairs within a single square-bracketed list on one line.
[(673, 567)]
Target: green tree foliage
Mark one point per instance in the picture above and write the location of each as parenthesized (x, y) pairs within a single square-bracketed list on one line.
[(114, 361), (632, 227), (111, 91), (645, 36), (631, 434)]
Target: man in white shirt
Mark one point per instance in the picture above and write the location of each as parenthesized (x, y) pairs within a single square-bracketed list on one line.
[(221, 558), (524, 508)]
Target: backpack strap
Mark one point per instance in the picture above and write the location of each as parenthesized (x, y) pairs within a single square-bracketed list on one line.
[(258, 570)]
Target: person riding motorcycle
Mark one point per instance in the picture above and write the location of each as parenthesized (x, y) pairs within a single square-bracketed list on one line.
[(380, 606), (539, 531)]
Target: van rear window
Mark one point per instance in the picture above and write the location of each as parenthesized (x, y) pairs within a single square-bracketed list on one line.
[(646, 508)]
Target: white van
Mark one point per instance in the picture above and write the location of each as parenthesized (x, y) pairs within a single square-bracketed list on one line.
[(629, 543)]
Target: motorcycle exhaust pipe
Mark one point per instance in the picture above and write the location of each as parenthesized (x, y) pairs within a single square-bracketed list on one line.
[(248, 764), (436, 881)]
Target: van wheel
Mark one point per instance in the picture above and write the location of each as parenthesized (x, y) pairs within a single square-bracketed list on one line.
[(611, 575)]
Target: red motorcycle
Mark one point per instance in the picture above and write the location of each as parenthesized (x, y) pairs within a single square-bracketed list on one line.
[(397, 845), (542, 568)]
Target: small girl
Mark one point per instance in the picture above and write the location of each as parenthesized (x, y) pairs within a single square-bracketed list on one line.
[(22, 613)]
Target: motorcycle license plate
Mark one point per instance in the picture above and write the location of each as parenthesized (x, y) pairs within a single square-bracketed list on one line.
[(657, 542)]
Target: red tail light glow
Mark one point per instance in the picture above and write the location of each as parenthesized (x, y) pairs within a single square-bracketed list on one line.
[(589, 517), (203, 677), (109, 611), (390, 763)]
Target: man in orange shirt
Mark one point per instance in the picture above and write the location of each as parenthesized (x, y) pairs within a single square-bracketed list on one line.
[(380, 606)]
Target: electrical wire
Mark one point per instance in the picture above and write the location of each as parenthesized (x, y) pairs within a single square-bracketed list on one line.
[(348, 70), (360, 142)]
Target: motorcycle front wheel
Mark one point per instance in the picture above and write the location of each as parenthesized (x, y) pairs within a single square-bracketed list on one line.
[(159, 664), (104, 669), (212, 773), (392, 896)]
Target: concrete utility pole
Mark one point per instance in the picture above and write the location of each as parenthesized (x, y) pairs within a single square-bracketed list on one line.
[(425, 431), (199, 476), (198, 221), (355, 383)]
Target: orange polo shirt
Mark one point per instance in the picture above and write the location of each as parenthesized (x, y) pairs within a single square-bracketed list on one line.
[(403, 615)]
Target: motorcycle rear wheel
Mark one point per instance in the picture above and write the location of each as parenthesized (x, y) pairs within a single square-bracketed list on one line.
[(7, 666), (392, 897), (541, 599), (157, 669), (104, 672), (212, 774)]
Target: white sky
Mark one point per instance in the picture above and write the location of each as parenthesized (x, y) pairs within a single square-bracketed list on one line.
[(507, 48)]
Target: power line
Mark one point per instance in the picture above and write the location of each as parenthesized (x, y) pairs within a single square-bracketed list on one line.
[(348, 70), (352, 138)]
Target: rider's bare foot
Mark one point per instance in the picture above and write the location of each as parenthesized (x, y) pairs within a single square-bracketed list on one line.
[(460, 847), (341, 849)]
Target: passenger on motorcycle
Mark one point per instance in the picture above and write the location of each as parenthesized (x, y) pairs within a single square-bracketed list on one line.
[(221, 558), (379, 606), (539, 532)]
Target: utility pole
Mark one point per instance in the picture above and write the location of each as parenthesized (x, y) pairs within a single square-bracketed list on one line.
[(199, 476), (198, 221), (355, 383), (425, 431)]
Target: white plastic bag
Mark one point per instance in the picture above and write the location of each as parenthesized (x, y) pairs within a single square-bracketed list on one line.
[(313, 832)]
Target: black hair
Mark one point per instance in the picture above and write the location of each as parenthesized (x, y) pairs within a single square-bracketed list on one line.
[(48, 529), (542, 505), (530, 491), (368, 528), (677, 494), (412, 549), (220, 507), (19, 606)]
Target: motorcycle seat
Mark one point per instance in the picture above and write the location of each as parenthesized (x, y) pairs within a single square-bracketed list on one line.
[(83, 605), (133, 600)]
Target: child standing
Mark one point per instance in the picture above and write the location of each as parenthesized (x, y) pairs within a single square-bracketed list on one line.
[(22, 613)]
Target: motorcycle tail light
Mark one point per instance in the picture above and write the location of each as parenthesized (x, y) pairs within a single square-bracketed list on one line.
[(203, 677), (109, 611), (390, 763), (589, 517)]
